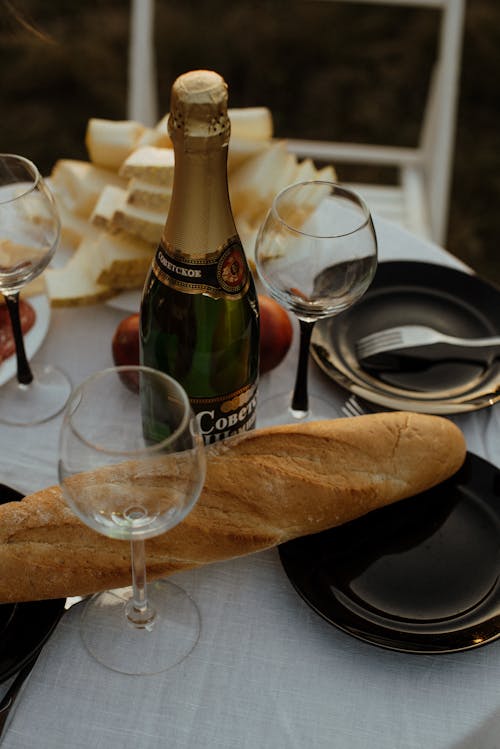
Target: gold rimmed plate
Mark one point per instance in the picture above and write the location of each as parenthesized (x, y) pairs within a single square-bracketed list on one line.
[(415, 293), (419, 576), (24, 627)]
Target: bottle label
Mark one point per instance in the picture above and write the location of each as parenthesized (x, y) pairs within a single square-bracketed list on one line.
[(226, 415), (220, 274)]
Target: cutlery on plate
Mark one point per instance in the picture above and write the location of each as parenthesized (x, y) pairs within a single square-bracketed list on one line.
[(352, 407), (421, 342)]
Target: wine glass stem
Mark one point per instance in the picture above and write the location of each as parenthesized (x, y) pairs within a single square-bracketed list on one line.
[(300, 400), (24, 374), (139, 612)]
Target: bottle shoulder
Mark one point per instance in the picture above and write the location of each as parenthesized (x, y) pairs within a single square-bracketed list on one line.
[(218, 273)]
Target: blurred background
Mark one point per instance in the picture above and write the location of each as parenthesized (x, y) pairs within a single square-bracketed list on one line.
[(326, 71)]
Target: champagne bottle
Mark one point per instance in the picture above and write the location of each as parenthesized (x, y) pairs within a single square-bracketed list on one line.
[(199, 310)]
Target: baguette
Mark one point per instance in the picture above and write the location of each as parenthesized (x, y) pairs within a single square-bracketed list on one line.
[(261, 489)]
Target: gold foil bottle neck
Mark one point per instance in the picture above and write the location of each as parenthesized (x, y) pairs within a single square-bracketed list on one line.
[(198, 109)]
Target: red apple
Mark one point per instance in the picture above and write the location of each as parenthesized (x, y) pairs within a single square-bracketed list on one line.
[(125, 349), (125, 344), (276, 333)]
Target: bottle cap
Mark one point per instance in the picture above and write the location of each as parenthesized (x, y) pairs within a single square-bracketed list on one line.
[(198, 108)]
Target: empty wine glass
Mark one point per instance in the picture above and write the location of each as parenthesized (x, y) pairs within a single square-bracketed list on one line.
[(29, 234), (316, 253), (132, 466)]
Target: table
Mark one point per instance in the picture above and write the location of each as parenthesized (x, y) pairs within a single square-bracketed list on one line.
[(267, 672)]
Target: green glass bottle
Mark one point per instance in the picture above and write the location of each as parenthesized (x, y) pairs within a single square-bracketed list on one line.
[(199, 309)]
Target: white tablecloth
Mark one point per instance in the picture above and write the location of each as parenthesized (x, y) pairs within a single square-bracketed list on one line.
[(267, 672)]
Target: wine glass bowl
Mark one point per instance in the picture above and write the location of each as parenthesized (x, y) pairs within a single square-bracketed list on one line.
[(316, 254), (29, 235), (29, 229), (131, 467), (107, 455)]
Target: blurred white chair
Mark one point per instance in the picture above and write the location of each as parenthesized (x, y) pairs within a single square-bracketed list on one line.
[(142, 104), (420, 199)]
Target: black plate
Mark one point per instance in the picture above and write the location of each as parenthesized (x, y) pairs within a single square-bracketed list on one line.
[(24, 627), (404, 293), (419, 576)]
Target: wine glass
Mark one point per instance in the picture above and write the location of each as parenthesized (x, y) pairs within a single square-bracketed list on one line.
[(316, 253), (29, 234), (132, 466)]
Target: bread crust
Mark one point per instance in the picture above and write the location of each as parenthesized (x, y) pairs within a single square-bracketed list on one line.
[(263, 489)]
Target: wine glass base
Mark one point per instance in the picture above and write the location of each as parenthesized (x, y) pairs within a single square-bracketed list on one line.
[(41, 400), (141, 651), (277, 410)]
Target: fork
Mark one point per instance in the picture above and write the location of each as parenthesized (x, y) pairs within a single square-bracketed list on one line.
[(421, 342), (352, 407)]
